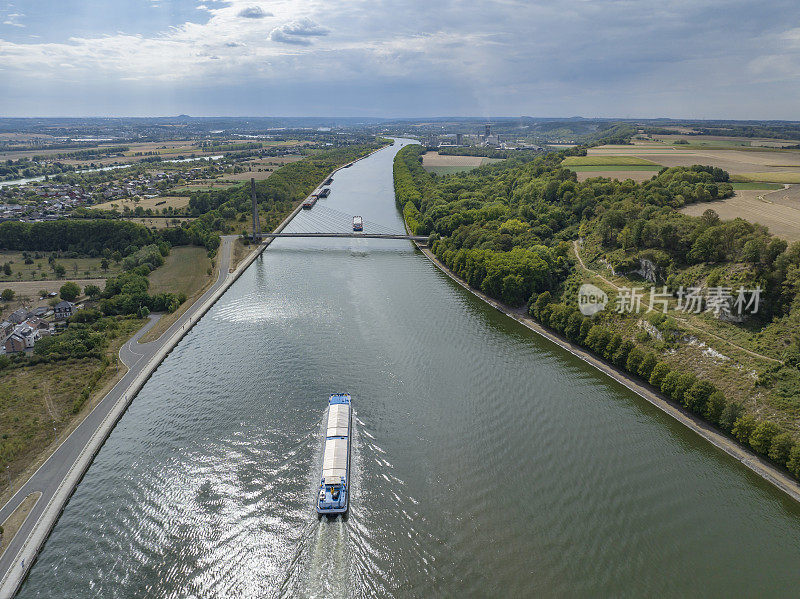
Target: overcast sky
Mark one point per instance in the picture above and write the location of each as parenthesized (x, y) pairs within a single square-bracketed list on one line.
[(401, 58)]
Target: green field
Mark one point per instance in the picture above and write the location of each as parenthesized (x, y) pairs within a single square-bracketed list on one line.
[(607, 161), (42, 269), (756, 185), (587, 169), (773, 177), (184, 271)]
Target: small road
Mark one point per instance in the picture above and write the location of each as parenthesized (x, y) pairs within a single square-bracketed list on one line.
[(135, 356)]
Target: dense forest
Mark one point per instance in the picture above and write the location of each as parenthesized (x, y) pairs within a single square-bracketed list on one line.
[(510, 231)]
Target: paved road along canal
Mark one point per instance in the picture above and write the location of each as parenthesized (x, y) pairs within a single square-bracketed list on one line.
[(487, 461)]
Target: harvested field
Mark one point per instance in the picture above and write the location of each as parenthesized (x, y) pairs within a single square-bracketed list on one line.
[(157, 203), (757, 185), (755, 206), (787, 195), (433, 162), (436, 159)]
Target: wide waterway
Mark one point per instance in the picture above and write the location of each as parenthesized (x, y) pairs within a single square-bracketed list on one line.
[(487, 461)]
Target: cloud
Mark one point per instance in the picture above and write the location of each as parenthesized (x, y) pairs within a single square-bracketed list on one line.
[(253, 12), (297, 32), (13, 20), (599, 58)]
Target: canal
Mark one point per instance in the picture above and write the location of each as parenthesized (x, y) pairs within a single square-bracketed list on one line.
[(487, 461)]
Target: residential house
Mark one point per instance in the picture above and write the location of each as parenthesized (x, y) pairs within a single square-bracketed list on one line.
[(19, 316), (14, 343), (39, 324), (63, 310)]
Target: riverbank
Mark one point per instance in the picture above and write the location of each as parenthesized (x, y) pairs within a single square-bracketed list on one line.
[(749, 459)]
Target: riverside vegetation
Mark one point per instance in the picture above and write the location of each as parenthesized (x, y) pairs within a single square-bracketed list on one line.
[(512, 230)]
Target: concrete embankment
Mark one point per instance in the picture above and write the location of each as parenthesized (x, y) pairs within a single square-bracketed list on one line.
[(27, 555), (752, 461)]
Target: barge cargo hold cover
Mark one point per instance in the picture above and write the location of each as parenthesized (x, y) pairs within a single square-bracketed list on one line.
[(334, 487)]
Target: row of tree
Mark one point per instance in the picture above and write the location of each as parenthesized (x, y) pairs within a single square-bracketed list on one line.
[(696, 395)]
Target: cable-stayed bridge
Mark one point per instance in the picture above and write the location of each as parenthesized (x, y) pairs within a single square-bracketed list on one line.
[(322, 221)]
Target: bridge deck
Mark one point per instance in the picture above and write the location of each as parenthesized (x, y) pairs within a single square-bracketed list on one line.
[(351, 235)]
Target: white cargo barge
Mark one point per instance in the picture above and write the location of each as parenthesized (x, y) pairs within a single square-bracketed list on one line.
[(334, 488)]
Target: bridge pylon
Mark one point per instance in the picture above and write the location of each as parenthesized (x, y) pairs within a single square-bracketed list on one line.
[(256, 219)]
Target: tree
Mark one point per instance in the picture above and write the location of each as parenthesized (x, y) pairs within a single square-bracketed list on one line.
[(696, 397), (715, 405), (59, 270), (647, 366), (781, 448), (669, 383), (730, 414), (685, 382), (541, 301), (92, 291), (621, 355), (597, 339), (104, 264), (659, 372), (7, 295), (69, 291), (793, 463), (7, 269), (635, 357), (743, 428), (613, 346), (762, 436)]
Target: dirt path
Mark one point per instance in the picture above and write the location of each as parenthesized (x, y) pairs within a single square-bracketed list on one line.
[(576, 249)]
